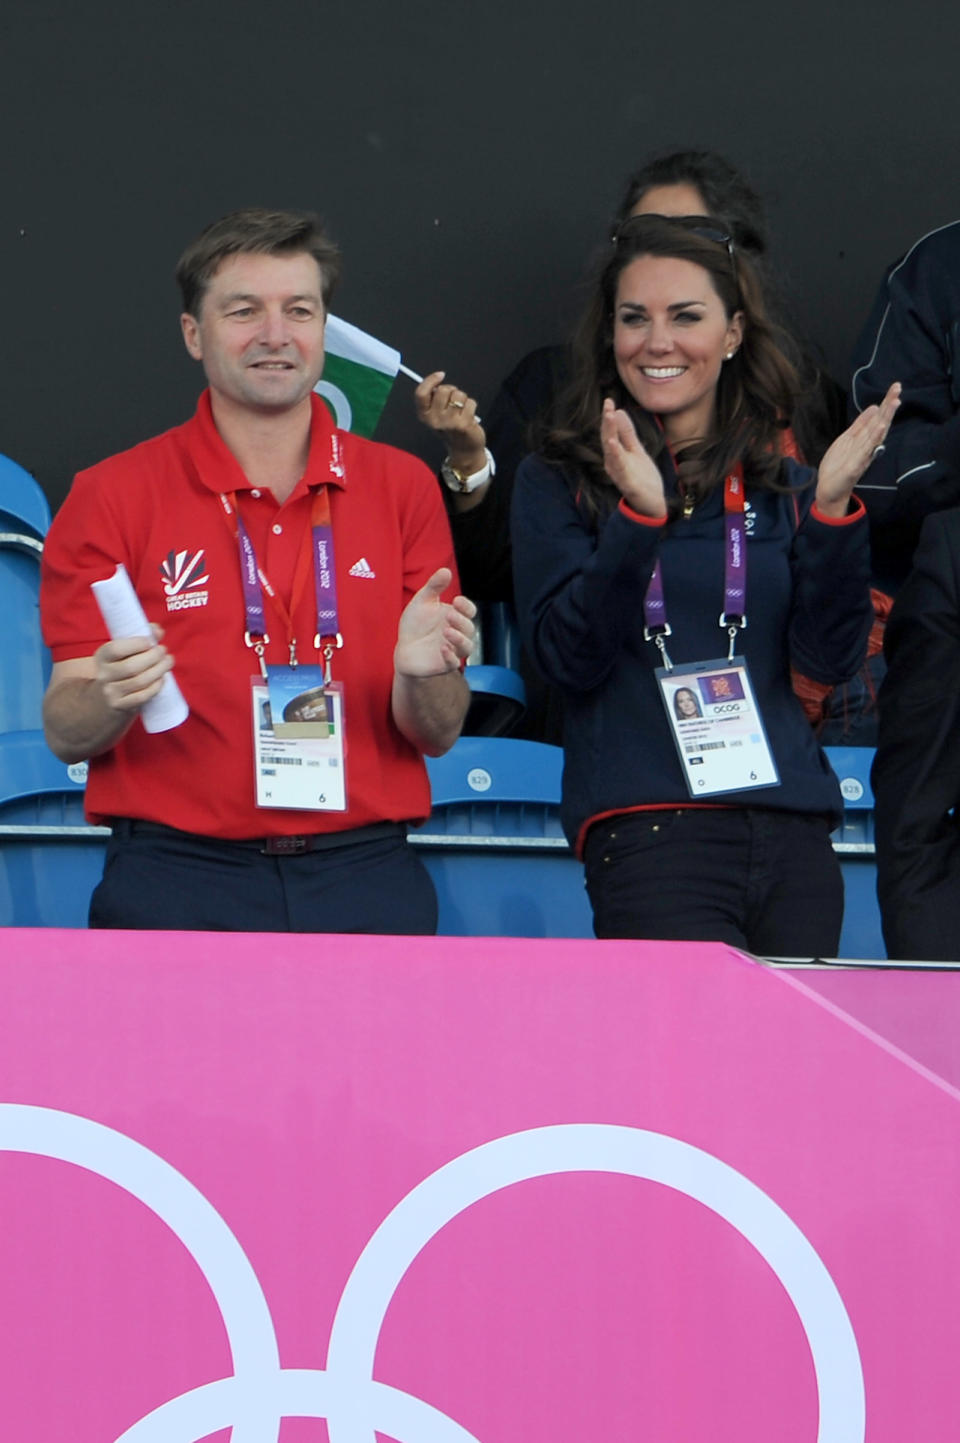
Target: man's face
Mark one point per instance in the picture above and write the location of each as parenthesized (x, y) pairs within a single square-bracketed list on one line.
[(259, 333)]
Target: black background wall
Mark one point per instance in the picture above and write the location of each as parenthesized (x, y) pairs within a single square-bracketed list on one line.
[(466, 157)]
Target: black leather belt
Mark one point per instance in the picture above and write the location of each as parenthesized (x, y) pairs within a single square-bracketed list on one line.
[(292, 846)]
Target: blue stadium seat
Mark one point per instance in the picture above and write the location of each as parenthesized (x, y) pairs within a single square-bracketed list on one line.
[(498, 700), (24, 520), (23, 506), (494, 845), (50, 859), (853, 842), (499, 697)]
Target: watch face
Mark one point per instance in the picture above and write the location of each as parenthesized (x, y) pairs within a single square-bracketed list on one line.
[(457, 481)]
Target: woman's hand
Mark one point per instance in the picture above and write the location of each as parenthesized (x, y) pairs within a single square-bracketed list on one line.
[(454, 414), (852, 452), (629, 465)]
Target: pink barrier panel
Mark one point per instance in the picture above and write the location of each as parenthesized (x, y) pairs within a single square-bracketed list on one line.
[(303, 1188), (918, 1015)]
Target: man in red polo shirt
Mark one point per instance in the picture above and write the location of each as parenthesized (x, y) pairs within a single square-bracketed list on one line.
[(277, 559)]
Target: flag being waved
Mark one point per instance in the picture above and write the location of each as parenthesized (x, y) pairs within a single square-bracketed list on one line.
[(358, 375)]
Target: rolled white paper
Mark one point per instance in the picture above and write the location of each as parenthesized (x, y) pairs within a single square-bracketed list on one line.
[(124, 616)]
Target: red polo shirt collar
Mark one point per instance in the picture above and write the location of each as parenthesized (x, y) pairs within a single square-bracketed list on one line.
[(214, 466)]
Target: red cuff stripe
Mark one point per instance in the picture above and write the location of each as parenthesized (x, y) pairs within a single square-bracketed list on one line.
[(854, 515), (632, 515)]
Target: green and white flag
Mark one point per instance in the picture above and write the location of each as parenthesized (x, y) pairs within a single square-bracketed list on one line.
[(358, 375)]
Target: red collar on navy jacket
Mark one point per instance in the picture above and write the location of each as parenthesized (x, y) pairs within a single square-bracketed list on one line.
[(215, 467)]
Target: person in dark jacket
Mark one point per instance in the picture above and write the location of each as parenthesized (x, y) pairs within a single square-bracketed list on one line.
[(482, 459), (660, 503), (916, 773), (913, 335)]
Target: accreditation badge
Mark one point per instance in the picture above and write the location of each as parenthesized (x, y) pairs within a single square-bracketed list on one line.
[(717, 727), (300, 767)]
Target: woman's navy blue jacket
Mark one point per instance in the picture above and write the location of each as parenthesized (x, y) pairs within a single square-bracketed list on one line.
[(580, 588)]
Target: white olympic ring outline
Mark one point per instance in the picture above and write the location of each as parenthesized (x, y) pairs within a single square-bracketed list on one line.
[(339, 400), (259, 1394)]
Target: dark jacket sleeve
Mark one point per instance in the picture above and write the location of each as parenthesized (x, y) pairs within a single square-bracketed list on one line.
[(913, 336), (575, 587), (916, 774), (832, 612)]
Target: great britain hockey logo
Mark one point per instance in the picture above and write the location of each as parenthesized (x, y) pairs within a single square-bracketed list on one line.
[(184, 579)]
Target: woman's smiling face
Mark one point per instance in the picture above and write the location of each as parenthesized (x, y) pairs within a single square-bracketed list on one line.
[(671, 336)]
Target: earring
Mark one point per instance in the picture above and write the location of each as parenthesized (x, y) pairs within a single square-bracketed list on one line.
[(730, 355)]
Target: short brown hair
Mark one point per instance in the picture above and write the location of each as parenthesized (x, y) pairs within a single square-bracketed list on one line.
[(255, 231)]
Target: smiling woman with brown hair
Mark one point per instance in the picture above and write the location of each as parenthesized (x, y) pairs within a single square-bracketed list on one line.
[(660, 504)]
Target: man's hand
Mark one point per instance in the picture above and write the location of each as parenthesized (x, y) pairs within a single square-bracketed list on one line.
[(434, 636), (629, 465), (454, 415), (130, 671), (852, 452), (430, 697), (92, 700)]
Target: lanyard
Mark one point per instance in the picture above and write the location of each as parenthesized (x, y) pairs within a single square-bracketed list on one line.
[(317, 544), (733, 617)]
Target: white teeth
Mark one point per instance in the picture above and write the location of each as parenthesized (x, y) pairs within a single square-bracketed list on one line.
[(660, 373)]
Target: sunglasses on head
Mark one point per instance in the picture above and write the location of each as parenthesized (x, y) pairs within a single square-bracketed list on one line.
[(701, 225)]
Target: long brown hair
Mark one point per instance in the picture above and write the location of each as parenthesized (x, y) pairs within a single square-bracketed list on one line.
[(755, 391)]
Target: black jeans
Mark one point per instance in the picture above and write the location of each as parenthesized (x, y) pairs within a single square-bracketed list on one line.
[(158, 878), (765, 881)]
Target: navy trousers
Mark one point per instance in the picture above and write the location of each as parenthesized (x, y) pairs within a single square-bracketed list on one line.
[(158, 878)]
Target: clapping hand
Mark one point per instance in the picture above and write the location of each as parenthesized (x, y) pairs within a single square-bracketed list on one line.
[(629, 465), (434, 636), (851, 454)]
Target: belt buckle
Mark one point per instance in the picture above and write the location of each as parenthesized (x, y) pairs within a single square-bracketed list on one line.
[(284, 846)]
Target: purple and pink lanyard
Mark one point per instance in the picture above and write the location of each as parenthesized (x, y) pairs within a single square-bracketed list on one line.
[(318, 547), (734, 615)]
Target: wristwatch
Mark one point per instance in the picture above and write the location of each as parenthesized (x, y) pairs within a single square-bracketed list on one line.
[(463, 484)]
